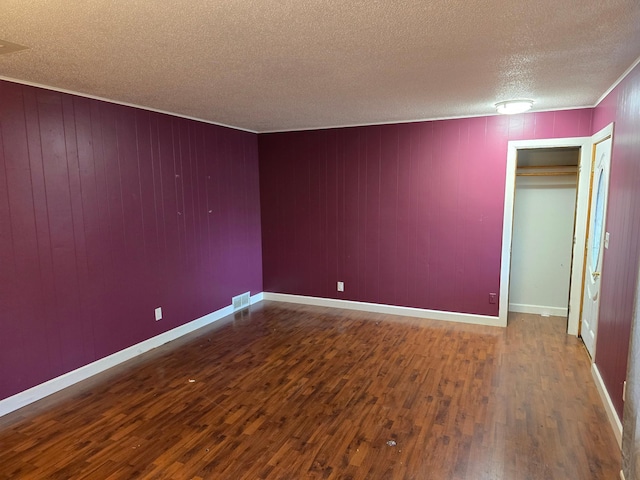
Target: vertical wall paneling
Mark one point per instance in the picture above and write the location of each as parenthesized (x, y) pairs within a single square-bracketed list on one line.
[(107, 212), (619, 273), (417, 218)]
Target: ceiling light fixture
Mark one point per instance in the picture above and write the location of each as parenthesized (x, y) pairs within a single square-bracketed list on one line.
[(510, 107)]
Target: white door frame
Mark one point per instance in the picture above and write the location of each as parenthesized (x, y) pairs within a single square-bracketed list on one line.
[(580, 232)]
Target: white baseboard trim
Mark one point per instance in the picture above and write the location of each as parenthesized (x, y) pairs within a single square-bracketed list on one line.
[(612, 415), (538, 310), (258, 297), (54, 385), (388, 309)]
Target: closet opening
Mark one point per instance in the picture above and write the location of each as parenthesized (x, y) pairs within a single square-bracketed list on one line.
[(544, 229)]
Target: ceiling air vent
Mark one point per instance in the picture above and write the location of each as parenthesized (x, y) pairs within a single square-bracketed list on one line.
[(8, 47)]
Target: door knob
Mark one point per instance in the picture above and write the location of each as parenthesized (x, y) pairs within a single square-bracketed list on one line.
[(595, 274)]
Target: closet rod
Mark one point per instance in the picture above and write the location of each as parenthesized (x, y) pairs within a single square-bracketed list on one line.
[(545, 174), (535, 167)]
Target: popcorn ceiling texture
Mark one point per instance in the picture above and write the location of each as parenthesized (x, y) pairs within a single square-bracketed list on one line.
[(294, 64)]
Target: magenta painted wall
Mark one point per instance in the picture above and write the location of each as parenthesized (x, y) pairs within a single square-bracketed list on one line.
[(406, 214), (107, 212), (619, 274)]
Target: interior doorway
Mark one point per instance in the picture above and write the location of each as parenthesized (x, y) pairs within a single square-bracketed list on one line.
[(583, 146), (545, 200)]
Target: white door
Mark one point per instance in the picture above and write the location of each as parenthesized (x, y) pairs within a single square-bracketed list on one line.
[(595, 243)]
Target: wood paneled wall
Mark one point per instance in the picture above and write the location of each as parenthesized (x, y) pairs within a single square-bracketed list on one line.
[(107, 212), (620, 268), (405, 214)]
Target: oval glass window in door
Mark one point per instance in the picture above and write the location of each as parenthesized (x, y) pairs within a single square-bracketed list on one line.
[(596, 238)]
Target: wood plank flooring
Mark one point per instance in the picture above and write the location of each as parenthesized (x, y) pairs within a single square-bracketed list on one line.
[(295, 392)]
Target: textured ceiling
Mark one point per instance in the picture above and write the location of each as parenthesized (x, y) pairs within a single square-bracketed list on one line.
[(266, 65)]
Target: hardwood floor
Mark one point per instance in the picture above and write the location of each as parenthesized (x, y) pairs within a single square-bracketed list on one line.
[(292, 392)]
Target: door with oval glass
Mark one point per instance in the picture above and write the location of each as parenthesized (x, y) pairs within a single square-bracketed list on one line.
[(596, 243)]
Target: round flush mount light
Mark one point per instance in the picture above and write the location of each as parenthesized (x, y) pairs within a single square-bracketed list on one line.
[(510, 107)]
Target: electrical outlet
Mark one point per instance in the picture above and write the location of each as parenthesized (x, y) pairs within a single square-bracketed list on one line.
[(341, 286), (158, 313), (492, 298)]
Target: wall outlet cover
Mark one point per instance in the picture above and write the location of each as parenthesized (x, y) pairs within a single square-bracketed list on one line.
[(158, 313)]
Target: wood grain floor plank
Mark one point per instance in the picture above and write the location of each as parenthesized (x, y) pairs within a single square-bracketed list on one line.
[(291, 392)]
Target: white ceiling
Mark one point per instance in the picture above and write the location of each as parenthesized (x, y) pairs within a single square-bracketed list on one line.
[(267, 65)]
